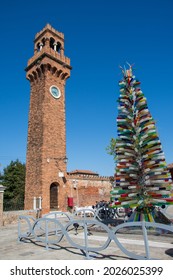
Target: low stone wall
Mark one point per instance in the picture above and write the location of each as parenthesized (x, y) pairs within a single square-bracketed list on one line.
[(11, 217)]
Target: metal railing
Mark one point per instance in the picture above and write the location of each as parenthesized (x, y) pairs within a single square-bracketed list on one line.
[(51, 229), (11, 205)]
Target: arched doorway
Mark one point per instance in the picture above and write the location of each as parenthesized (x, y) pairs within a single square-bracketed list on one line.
[(54, 196)]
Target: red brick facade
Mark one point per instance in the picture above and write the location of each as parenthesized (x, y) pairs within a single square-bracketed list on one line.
[(88, 187), (46, 175)]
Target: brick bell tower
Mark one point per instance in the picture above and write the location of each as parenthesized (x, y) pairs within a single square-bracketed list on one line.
[(47, 72)]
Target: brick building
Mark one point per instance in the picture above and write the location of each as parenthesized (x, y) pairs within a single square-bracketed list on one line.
[(87, 187), (46, 166)]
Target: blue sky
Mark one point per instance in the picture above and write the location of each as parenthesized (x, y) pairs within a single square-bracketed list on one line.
[(100, 35)]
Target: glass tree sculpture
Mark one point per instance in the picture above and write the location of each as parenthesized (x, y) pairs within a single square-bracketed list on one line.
[(142, 179)]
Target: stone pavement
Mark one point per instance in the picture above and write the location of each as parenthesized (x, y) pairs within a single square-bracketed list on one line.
[(161, 247)]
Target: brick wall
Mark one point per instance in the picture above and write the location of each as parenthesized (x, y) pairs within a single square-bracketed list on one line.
[(88, 190)]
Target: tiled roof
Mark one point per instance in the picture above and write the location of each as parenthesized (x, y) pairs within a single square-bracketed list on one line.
[(88, 172)]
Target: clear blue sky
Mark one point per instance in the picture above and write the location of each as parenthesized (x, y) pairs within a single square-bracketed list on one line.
[(100, 35)]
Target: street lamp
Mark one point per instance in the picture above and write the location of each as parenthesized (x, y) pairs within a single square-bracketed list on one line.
[(65, 159), (57, 159)]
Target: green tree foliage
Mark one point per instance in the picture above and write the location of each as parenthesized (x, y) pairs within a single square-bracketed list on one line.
[(13, 179), (111, 149), (1, 177)]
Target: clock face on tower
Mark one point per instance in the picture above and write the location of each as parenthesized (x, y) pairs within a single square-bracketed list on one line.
[(55, 91)]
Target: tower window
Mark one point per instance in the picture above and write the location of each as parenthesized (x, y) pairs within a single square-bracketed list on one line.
[(56, 46), (43, 41), (52, 41), (40, 45)]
